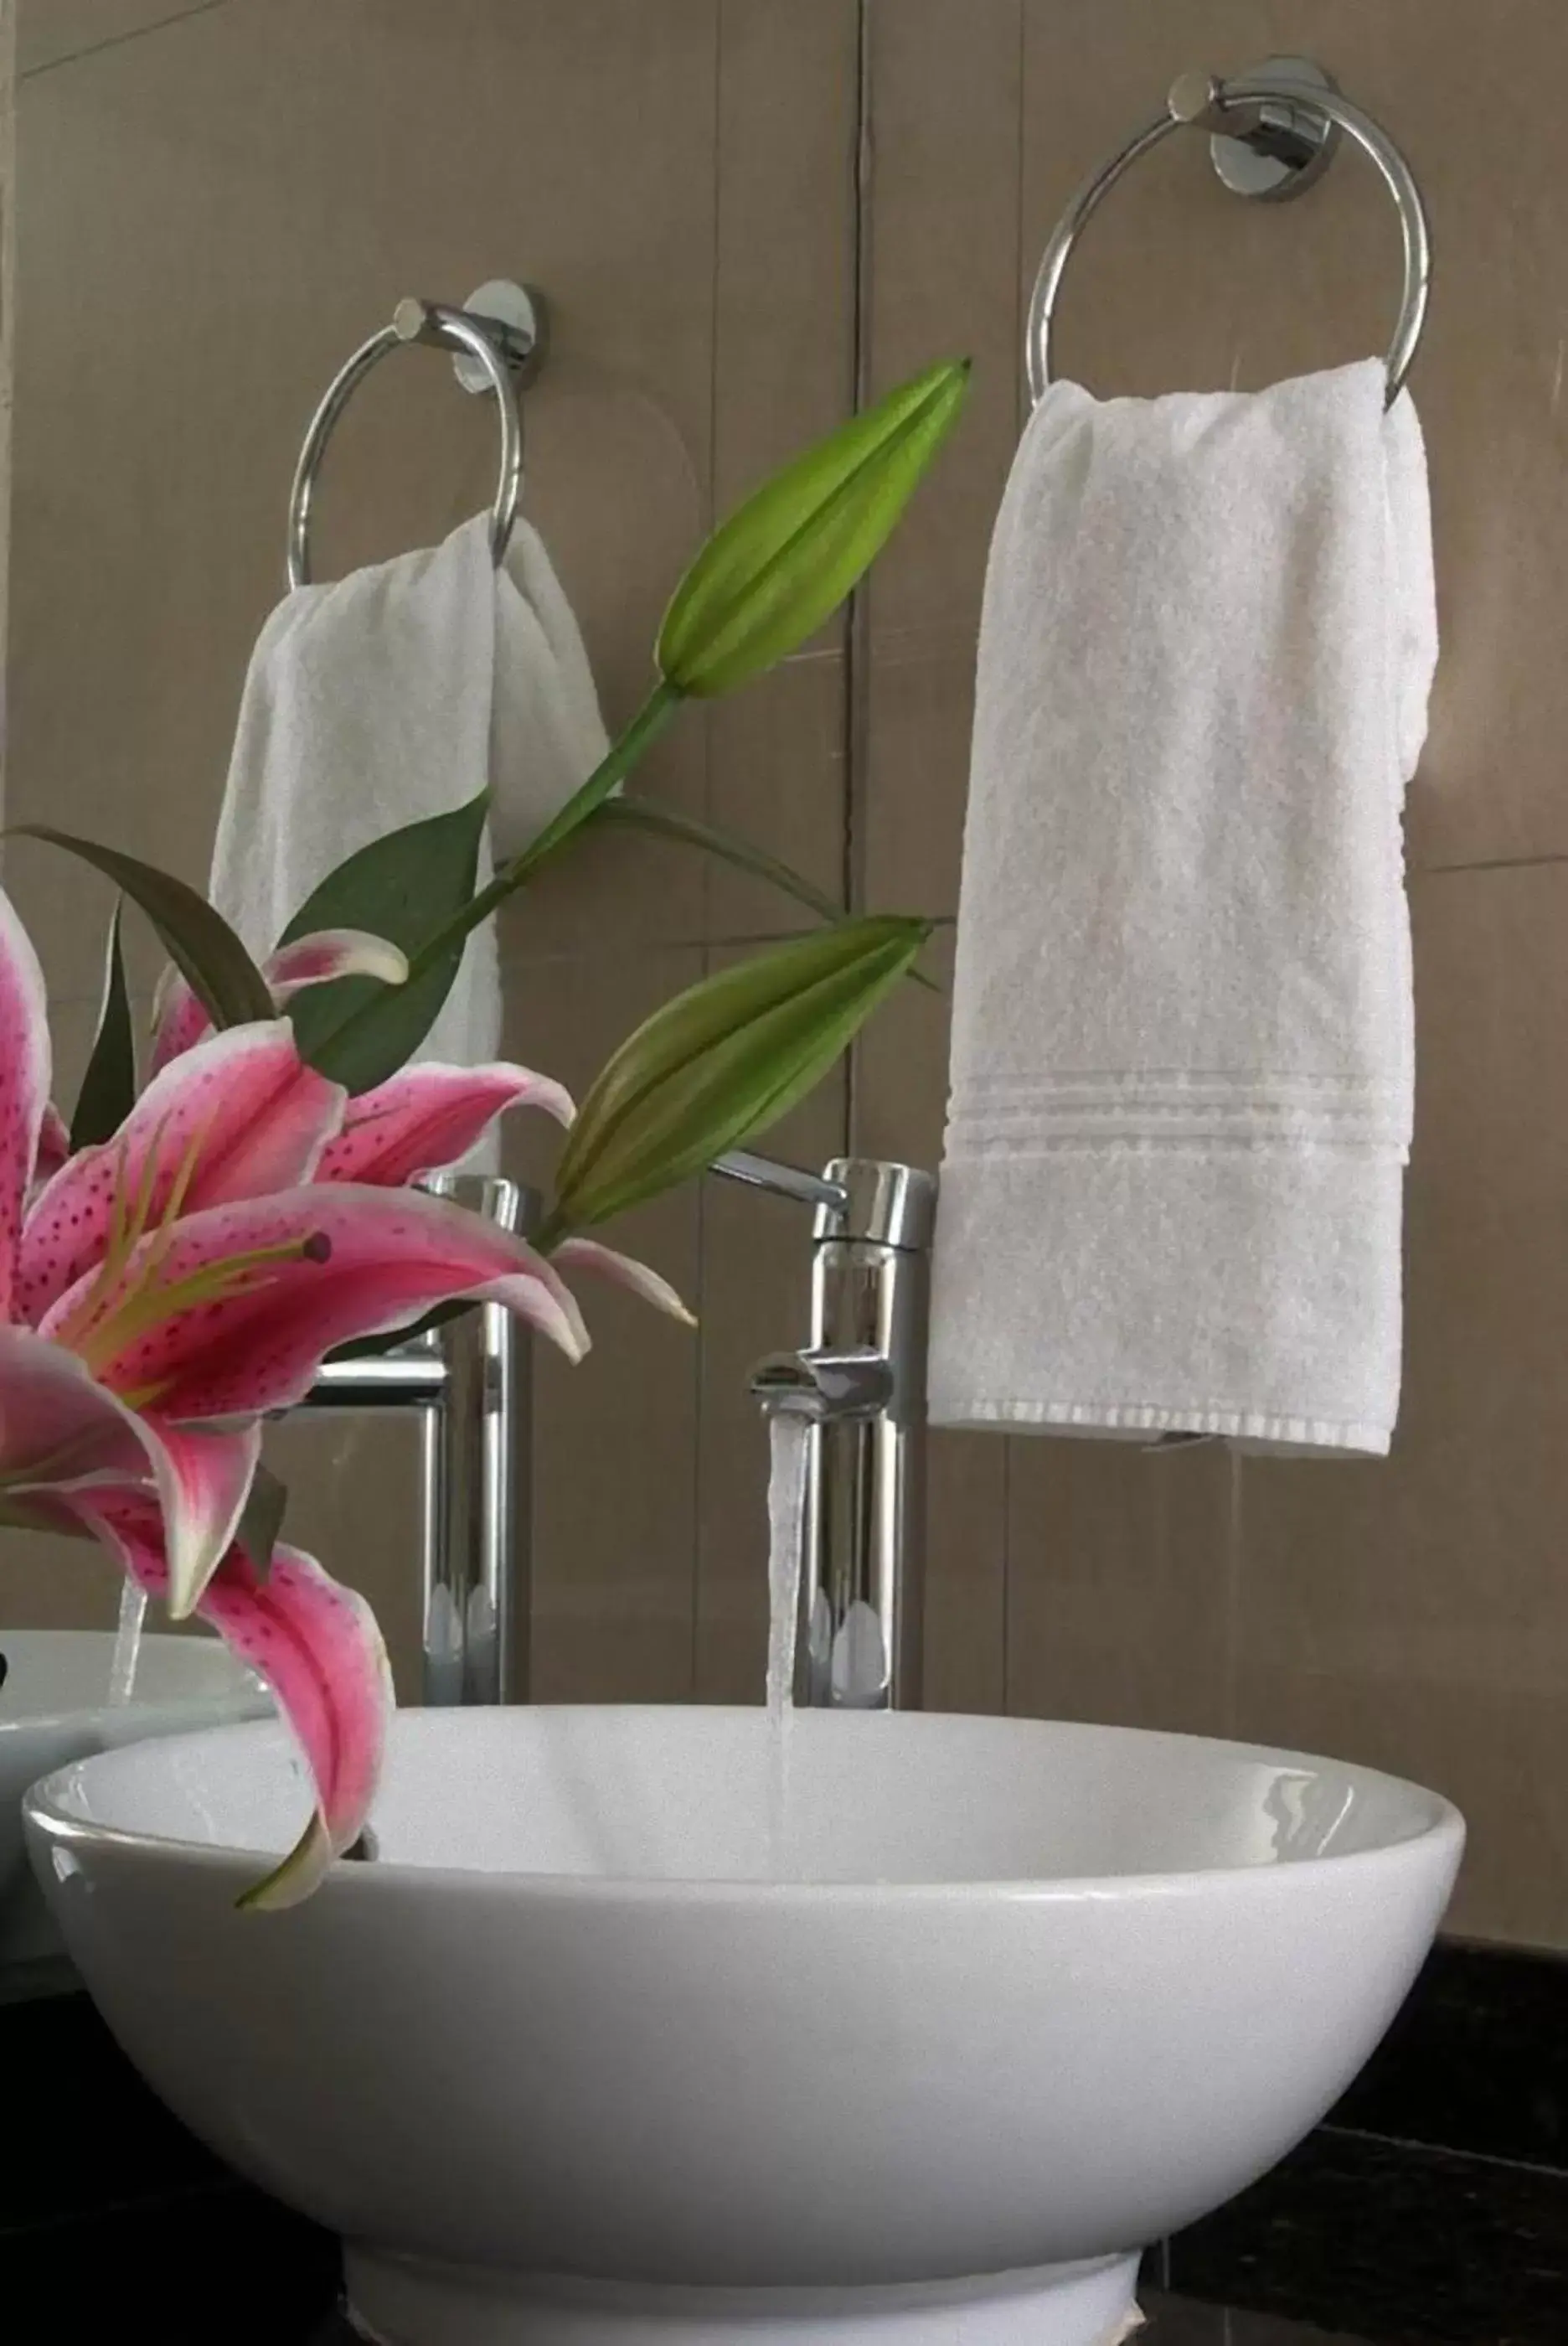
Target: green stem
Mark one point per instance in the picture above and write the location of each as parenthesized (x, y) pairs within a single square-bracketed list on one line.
[(607, 777), (611, 770), (550, 1233)]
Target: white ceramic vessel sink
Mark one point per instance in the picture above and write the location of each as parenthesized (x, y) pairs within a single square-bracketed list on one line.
[(54, 1706), (565, 2070)]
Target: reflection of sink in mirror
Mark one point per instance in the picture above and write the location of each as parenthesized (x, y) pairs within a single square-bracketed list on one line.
[(56, 1706), (566, 2067)]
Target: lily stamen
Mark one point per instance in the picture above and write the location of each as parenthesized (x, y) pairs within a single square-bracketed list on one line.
[(151, 1300), (126, 1229)]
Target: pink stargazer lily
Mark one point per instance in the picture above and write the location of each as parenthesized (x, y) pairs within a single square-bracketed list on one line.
[(162, 1293), (315, 1642), (181, 1019)]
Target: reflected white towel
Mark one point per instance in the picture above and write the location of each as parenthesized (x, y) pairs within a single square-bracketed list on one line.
[(1181, 1073), (395, 693)]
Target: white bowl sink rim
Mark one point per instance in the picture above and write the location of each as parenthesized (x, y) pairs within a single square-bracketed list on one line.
[(62, 1804), (195, 1672), (55, 1708)]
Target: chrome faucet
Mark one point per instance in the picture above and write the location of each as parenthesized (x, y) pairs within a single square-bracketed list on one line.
[(860, 1384), (469, 1383)]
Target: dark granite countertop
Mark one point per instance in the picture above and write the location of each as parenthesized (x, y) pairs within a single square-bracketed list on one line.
[(1419, 2246), (225, 2266)]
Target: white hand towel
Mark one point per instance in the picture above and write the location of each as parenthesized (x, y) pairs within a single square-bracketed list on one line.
[(1182, 1048), (546, 733), (396, 693)]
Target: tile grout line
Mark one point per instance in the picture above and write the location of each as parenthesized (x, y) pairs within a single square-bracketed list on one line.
[(1447, 2150), (122, 40), (1008, 1440), (1484, 863), (699, 1369), (134, 2203), (1234, 1565), (856, 731)]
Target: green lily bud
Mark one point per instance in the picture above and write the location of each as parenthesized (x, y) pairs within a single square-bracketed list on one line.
[(773, 571), (723, 1061)]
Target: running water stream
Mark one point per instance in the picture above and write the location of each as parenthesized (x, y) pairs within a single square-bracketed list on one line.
[(786, 1520), (128, 1642)]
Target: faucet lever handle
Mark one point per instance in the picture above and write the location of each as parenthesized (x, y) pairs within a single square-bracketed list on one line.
[(755, 1172)]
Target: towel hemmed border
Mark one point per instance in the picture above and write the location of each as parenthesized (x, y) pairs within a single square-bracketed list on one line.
[(1244, 1425)]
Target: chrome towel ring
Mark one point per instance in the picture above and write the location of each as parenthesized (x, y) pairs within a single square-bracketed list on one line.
[(1273, 132), (498, 336)]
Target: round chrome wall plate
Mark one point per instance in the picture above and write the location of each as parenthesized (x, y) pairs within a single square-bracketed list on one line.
[(519, 310), (1293, 145)]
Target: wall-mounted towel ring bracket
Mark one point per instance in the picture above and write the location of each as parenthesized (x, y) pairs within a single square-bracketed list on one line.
[(498, 338), (1292, 142), (1272, 131)]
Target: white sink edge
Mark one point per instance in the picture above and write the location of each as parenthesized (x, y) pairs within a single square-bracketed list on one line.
[(48, 1807)]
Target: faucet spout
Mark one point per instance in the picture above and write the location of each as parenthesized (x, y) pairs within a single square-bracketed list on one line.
[(823, 1386)]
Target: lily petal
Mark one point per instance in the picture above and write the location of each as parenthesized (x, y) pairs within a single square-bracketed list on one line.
[(262, 1289), (333, 953), (236, 1117), (58, 1426), (54, 1145), (180, 1020), (624, 1270), (61, 1431), (430, 1116), (24, 1083), (319, 1648), (204, 1483), (316, 1644)]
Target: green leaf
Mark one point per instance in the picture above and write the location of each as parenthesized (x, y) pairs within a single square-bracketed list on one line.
[(774, 571), (198, 941), (722, 1062), (409, 886), (370, 1038), (663, 822), (109, 1087), (645, 814)]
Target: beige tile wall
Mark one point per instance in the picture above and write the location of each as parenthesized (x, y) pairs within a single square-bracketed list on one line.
[(216, 203)]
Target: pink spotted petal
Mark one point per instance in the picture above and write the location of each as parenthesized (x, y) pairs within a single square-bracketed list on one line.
[(61, 1431), (317, 1646), (180, 1020), (333, 953), (24, 1085), (625, 1270), (53, 1147), (57, 1426), (430, 1116), (375, 1259), (238, 1116), (204, 1481)]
